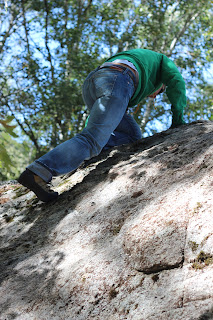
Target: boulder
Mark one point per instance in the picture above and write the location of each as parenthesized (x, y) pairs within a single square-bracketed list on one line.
[(130, 236)]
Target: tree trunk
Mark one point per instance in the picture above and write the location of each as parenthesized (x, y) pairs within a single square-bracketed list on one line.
[(145, 120)]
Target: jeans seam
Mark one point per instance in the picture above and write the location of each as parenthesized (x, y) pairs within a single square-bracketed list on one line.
[(45, 166), (115, 78)]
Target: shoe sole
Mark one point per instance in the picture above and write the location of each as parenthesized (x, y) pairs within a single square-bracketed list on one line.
[(28, 181)]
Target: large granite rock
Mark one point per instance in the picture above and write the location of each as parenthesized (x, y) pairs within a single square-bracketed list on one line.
[(130, 237)]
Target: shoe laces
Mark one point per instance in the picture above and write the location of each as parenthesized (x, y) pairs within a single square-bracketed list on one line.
[(43, 184)]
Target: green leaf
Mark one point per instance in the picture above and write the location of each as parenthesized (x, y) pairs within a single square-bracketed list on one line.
[(9, 128), (4, 158)]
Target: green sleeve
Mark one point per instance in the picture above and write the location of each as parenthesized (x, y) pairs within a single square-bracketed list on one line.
[(175, 91), (86, 122)]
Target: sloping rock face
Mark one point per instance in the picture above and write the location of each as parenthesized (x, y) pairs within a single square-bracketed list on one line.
[(130, 237)]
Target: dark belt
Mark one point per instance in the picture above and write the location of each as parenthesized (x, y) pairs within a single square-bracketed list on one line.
[(131, 72)]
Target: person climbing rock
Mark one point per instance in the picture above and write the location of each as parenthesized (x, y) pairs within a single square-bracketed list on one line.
[(121, 82)]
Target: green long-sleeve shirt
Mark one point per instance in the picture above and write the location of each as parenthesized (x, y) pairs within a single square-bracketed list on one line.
[(155, 69)]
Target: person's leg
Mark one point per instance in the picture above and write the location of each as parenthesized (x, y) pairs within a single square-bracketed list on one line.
[(107, 93), (126, 132), (111, 92)]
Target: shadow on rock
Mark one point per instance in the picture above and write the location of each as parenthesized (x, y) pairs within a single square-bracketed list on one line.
[(208, 315)]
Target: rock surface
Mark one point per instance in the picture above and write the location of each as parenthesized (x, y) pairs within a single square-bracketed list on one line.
[(130, 237)]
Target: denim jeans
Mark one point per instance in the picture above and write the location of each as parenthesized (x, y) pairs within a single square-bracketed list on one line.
[(106, 92)]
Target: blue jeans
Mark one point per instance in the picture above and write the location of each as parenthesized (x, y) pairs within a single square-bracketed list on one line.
[(106, 93)]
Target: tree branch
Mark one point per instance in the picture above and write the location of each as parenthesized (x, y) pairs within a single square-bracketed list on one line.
[(29, 133), (188, 21), (8, 31), (25, 27), (49, 58)]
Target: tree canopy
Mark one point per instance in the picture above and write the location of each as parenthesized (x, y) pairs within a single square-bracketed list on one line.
[(47, 48)]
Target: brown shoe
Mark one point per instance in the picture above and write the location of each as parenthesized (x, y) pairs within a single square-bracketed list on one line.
[(37, 185)]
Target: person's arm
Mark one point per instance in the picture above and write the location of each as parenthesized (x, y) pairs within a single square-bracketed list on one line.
[(175, 90)]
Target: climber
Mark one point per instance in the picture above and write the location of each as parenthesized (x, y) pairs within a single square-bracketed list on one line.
[(121, 82)]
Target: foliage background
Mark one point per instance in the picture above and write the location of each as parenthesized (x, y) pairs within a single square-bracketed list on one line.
[(47, 48)]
